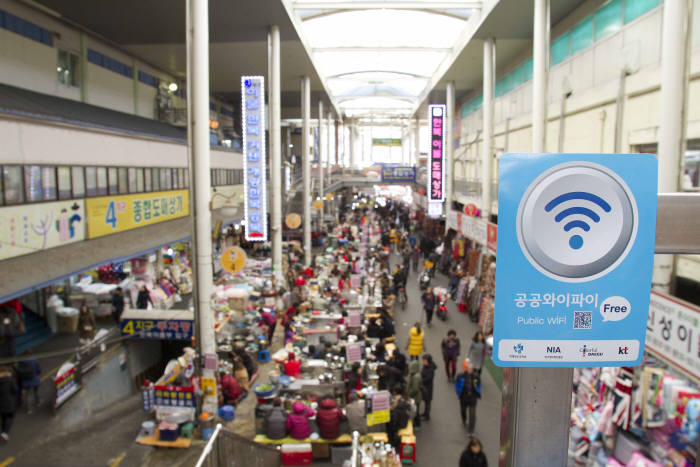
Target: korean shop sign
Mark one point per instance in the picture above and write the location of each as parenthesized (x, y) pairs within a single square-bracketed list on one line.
[(112, 214), (436, 159), (253, 127), (673, 332), (575, 256)]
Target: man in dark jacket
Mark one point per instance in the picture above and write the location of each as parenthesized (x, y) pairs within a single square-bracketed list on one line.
[(9, 395), (276, 421), (427, 374), (469, 396), (117, 303), (428, 299), (29, 373), (450, 351), (328, 418), (389, 378)]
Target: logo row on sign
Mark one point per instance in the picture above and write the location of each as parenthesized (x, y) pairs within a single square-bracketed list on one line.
[(514, 350)]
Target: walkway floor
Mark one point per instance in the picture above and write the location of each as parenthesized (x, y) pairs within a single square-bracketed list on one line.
[(442, 439)]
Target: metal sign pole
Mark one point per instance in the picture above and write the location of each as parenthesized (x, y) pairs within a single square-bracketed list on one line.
[(536, 404)]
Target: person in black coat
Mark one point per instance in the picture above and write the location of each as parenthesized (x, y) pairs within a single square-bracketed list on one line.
[(143, 299), (469, 396), (389, 378), (9, 399), (473, 455), (427, 375)]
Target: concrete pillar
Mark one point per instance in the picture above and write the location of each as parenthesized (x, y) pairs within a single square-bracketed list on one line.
[(449, 151), (416, 138), (275, 130), (198, 60), (83, 67), (674, 85), (540, 69), (487, 153), (321, 152), (306, 161)]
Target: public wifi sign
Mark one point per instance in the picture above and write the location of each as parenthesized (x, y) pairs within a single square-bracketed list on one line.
[(575, 256)]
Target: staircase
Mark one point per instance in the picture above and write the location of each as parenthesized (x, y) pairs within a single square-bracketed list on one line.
[(37, 332)]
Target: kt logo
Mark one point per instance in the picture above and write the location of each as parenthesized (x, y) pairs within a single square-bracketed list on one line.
[(623, 350)]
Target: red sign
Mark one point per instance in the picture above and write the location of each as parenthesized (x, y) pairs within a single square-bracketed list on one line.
[(470, 209), (491, 237)]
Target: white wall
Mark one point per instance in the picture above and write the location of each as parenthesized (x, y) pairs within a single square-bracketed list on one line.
[(41, 143)]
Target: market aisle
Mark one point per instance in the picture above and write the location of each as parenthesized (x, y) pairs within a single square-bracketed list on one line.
[(442, 439)]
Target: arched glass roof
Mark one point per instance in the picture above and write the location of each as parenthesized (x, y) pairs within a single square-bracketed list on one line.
[(380, 55)]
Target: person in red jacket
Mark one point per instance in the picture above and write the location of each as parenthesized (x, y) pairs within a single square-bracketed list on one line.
[(292, 367), (328, 418), (298, 422), (231, 389)]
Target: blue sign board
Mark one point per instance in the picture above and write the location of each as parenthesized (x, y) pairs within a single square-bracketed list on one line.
[(398, 173), (575, 255), (253, 127)]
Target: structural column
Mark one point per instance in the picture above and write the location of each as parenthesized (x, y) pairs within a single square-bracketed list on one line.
[(540, 67), (449, 151), (275, 129), (674, 83), (198, 65), (487, 153), (416, 140), (306, 161), (329, 127), (321, 151)]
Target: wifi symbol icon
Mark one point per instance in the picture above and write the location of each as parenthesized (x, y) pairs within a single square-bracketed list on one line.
[(576, 240)]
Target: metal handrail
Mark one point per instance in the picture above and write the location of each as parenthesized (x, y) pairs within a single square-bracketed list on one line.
[(209, 446)]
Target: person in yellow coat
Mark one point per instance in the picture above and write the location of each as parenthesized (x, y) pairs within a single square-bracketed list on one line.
[(415, 342)]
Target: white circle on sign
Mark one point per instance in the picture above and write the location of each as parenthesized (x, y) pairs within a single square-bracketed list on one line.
[(577, 221), (615, 309)]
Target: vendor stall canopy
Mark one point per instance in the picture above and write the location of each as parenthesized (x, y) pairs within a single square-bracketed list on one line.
[(378, 58)]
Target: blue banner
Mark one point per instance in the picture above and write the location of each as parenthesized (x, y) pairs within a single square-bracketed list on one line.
[(398, 174), (253, 127)]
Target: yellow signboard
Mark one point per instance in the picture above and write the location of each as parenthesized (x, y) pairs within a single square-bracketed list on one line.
[(233, 259), (112, 214), (293, 220), (375, 418), (318, 204), (329, 196), (208, 386), (34, 227)]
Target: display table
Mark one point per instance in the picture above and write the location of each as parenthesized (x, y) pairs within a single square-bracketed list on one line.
[(153, 440), (342, 439)]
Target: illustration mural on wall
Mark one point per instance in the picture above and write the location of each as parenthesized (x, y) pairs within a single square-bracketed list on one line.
[(34, 227)]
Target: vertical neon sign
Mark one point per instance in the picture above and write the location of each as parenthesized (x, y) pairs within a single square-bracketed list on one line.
[(253, 127), (436, 159)]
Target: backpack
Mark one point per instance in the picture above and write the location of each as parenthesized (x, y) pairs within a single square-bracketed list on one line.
[(459, 385), (401, 415)]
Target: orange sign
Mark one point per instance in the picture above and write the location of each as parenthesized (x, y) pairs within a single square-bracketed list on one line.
[(293, 220), (233, 259), (318, 204)]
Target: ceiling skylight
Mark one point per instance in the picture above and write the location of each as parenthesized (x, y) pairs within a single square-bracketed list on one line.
[(380, 55)]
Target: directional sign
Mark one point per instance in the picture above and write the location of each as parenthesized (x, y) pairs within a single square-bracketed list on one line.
[(575, 256)]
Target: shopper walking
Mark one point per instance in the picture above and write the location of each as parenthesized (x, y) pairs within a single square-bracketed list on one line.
[(143, 299), (427, 375), (415, 342), (429, 303), (9, 398), (473, 455), (29, 373), (477, 351), (415, 257), (117, 304), (450, 351), (467, 387), (414, 388), (86, 325)]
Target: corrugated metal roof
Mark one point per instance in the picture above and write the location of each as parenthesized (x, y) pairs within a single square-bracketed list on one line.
[(18, 101)]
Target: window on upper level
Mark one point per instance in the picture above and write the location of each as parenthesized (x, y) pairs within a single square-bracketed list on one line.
[(68, 68)]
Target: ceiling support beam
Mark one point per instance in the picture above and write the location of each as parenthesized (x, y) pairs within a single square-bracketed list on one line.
[(382, 49), (378, 5)]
